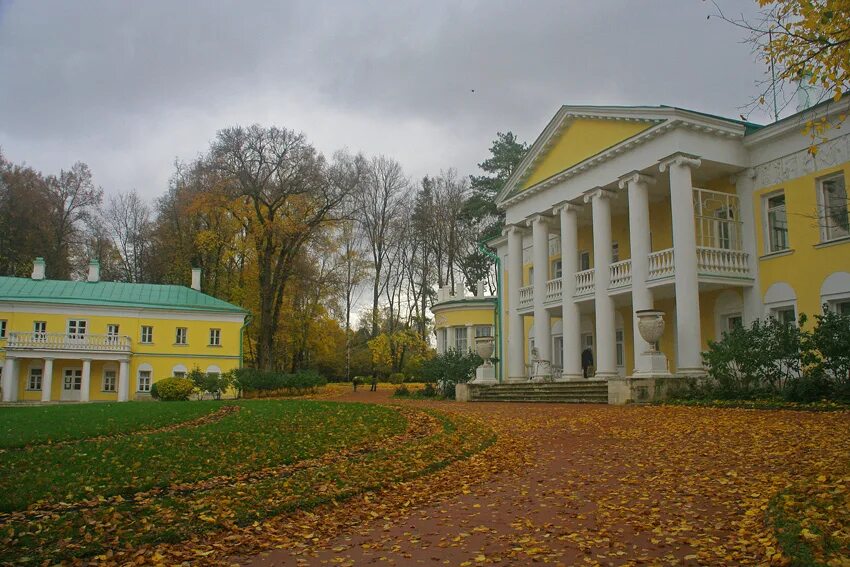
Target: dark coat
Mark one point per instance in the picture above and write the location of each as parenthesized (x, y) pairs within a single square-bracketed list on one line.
[(586, 358)]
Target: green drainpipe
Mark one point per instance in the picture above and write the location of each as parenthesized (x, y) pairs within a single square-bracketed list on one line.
[(245, 323), (489, 253)]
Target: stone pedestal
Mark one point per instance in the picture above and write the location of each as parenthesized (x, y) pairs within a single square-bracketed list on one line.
[(485, 375), (642, 389)]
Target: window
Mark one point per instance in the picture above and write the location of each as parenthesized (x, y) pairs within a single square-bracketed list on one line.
[(734, 321), (584, 261), (112, 333), (615, 252), (558, 350), (557, 269), (109, 380), (77, 329), (34, 382), (531, 275), (144, 380), (179, 374), (620, 348), (182, 336), (833, 201), (483, 331), (215, 337), (2, 328), (725, 226), (39, 330), (72, 379), (785, 314), (842, 307), (460, 339), (777, 223), (147, 334)]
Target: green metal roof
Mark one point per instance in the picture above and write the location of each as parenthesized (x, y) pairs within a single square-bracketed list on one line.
[(111, 294)]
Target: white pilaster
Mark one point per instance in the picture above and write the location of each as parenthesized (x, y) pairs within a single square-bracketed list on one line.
[(10, 380), (85, 387), (606, 355), (516, 332), (123, 380), (570, 316), (744, 185), (540, 255), (47, 380), (688, 357), (639, 238)]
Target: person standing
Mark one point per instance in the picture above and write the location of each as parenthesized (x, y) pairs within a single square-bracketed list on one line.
[(586, 360)]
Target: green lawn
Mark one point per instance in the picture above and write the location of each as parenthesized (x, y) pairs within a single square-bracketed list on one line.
[(270, 457), (50, 424)]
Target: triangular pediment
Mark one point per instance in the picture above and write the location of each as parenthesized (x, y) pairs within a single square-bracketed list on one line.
[(579, 139)]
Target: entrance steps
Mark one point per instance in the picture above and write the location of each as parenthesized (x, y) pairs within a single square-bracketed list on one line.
[(578, 392)]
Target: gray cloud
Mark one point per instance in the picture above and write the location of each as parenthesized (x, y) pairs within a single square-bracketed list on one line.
[(129, 86)]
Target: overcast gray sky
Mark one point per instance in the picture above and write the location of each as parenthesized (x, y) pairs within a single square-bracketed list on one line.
[(129, 86)]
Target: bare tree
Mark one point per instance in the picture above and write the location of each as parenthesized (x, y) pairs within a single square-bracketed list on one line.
[(73, 198), (128, 219), (378, 203)]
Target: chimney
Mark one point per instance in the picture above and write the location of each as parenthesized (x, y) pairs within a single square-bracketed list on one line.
[(196, 279), (94, 271), (38, 269), (805, 92)]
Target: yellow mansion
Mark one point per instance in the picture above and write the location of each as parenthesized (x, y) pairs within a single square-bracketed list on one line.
[(96, 340), (715, 222)]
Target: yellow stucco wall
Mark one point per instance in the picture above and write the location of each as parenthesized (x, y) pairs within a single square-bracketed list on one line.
[(162, 354), (461, 316), (582, 139), (807, 265)]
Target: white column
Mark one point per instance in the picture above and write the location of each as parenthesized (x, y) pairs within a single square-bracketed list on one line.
[(47, 380), (124, 381), (606, 355), (540, 255), (688, 358), (10, 380), (570, 315), (640, 245), (744, 186), (470, 337), (86, 384), (516, 364)]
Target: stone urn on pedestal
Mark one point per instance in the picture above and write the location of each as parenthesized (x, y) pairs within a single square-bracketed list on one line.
[(651, 329), (486, 373)]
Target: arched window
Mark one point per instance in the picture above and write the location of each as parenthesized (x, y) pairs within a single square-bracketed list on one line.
[(179, 371), (780, 302), (728, 312), (835, 292)]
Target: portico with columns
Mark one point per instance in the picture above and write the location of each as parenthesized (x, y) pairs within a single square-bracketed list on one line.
[(649, 219)]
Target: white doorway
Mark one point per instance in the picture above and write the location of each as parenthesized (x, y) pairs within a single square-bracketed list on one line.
[(72, 384)]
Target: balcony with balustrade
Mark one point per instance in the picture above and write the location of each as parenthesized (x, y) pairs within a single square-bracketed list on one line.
[(720, 257), (71, 343)]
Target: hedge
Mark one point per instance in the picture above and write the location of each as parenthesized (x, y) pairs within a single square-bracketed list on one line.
[(250, 380)]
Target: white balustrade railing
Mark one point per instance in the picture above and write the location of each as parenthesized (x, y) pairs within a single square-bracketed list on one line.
[(661, 264), (68, 341), (722, 262), (584, 282), (621, 274), (553, 290), (526, 296)]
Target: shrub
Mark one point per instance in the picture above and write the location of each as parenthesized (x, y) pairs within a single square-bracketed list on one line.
[(396, 378), (263, 383), (213, 384), (446, 370), (172, 389), (402, 392), (772, 359)]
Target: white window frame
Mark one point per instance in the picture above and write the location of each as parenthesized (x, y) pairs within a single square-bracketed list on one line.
[(483, 331), (215, 337), (35, 379), (181, 338), (112, 330), (39, 330), (109, 383), (557, 269), (558, 351), (72, 377), (584, 254), (768, 233), (146, 335), (615, 252), (77, 329), (144, 381), (531, 275), (3, 323), (461, 332), (784, 306), (620, 347), (826, 226)]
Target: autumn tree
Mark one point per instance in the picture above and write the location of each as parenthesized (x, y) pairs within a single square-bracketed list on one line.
[(128, 220), (282, 191), (23, 217)]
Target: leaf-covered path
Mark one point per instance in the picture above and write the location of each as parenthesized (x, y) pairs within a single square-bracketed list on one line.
[(585, 485)]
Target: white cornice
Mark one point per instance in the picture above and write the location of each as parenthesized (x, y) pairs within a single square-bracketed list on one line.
[(797, 121), (67, 309)]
